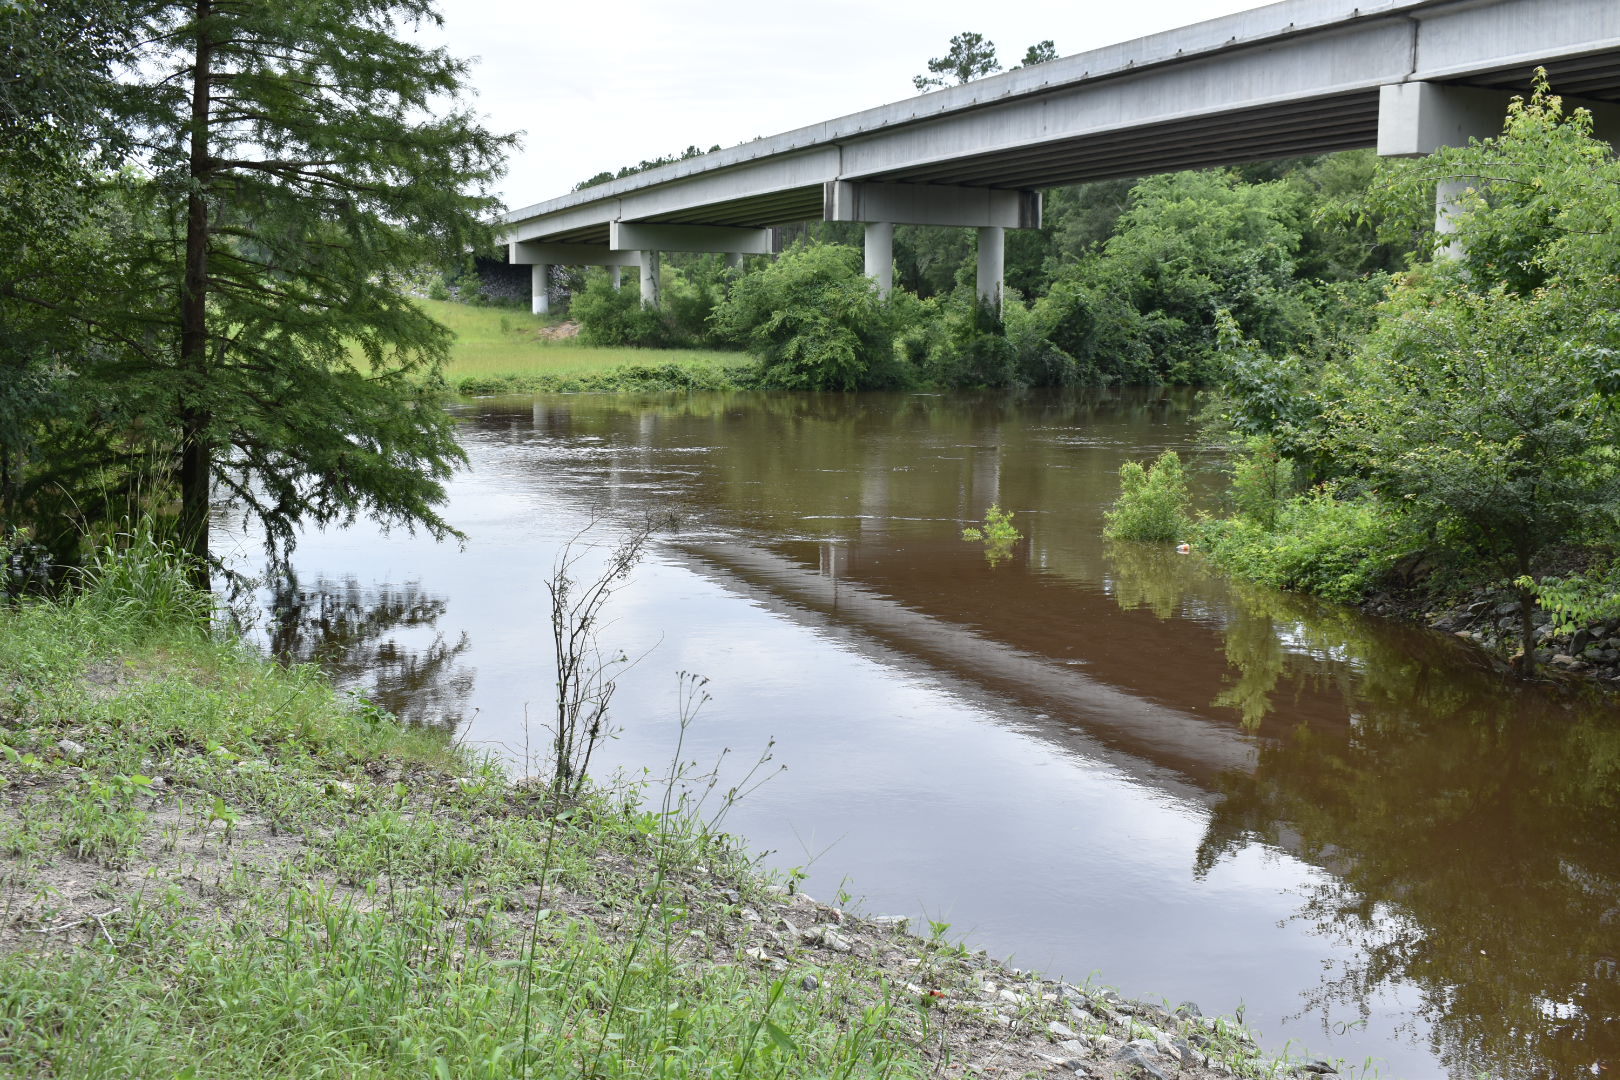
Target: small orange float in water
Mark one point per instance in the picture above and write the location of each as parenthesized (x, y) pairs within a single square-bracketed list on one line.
[(1183, 549)]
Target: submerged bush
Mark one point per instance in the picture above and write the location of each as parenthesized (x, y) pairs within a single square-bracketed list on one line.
[(1153, 503)]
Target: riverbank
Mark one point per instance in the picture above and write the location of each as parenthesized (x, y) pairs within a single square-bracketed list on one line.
[(217, 866)]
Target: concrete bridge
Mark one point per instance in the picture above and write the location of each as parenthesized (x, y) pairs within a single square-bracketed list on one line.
[(1298, 77)]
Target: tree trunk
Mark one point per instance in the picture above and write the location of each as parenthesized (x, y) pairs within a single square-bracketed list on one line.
[(196, 451), (1527, 623)]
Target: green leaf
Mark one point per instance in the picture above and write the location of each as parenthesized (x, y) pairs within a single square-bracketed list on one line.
[(784, 1042)]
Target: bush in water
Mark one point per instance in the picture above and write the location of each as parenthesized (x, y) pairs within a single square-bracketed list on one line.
[(1152, 503)]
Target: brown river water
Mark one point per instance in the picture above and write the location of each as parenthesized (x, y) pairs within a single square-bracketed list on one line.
[(1100, 760)]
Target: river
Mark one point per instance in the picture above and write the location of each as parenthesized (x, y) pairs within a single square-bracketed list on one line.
[(1099, 760)]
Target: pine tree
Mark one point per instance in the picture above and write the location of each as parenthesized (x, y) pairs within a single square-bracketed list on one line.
[(301, 160)]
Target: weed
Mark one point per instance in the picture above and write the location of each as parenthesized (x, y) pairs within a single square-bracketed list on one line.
[(585, 679), (998, 535)]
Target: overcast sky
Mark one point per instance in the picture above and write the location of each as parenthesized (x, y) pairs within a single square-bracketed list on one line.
[(600, 84)]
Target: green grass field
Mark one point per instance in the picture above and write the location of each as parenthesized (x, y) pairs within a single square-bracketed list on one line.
[(503, 345)]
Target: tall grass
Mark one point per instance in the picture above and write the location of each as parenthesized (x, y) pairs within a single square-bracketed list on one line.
[(141, 580)]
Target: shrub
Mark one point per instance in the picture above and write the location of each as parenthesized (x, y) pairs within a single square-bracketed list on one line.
[(616, 317), (1579, 599), (1152, 504), (1262, 479), (1339, 549), (815, 322)]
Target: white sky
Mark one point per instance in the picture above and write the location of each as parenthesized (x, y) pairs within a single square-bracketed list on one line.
[(604, 83)]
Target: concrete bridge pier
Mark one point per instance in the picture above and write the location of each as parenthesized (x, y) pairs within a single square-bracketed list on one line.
[(879, 236), (883, 206), (650, 273), (540, 289), (618, 277), (992, 264), (734, 260)]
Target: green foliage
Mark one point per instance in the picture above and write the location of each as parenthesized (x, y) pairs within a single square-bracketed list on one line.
[(967, 345), (971, 56), (690, 152), (815, 322), (1191, 245), (609, 316), (1320, 543), (1475, 420), (613, 317), (142, 581), (1577, 600), (684, 376), (1470, 407), (245, 315), (1039, 53), (1079, 334), (1262, 479), (998, 535), (1153, 503)]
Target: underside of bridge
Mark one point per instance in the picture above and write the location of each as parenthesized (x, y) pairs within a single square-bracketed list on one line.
[(1404, 76)]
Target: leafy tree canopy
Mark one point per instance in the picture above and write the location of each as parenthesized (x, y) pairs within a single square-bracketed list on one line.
[(1485, 395)]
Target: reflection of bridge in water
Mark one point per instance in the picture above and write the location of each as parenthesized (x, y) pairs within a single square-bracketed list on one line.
[(1175, 749), (1363, 805)]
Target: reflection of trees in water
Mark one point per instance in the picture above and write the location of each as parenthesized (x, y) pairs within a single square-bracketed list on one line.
[(1474, 848), (1470, 826), (352, 632)]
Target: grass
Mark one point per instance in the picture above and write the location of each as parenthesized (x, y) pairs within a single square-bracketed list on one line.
[(500, 350), (258, 878), (212, 865)]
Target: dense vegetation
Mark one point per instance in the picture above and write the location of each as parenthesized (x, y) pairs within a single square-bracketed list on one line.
[(1123, 284), (1469, 434)]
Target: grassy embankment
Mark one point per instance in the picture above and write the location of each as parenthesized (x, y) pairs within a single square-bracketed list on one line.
[(214, 866), (501, 350)]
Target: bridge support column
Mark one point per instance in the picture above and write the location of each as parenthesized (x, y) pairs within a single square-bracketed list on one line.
[(649, 279), (540, 289), (733, 260), (618, 277), (880, 255), (992, 263), (1448, 203)]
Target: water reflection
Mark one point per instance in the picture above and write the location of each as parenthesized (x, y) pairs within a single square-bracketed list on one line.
[(1129, 763), (381, 639), (1469, 824)]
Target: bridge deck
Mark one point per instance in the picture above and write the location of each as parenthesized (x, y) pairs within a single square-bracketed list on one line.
[(1293, 78)]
